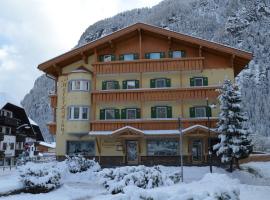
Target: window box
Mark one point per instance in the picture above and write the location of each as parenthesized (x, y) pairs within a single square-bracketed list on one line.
[(78, 113), (155, 55), (107, 58), (161, 112), (160, 83), (177, 54), (130, 84), (199, 81), (78, 85), (129, 57), (110, 85)]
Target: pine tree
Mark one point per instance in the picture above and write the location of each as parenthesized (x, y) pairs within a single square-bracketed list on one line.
[(235, 142)]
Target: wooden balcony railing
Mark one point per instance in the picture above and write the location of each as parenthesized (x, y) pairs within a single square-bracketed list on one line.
[(52, 127), (53, 98), (150, 65), (157, 94), (151, 124)]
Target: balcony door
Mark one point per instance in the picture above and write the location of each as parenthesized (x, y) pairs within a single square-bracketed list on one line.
[(132, 152)]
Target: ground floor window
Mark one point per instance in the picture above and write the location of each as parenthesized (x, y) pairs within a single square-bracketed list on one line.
[(86, 148), (162, 147)]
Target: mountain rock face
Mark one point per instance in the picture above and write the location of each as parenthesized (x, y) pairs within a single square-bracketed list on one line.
[(243, 24), (37, 104)]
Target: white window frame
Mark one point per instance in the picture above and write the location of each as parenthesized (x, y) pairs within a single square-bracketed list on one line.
[(198, 78), (107, 58), (131, 109), (161, 107), (200, 107), (83, 85), (71, 113), (160, 79), (128, 54), (133, 82), (108, 109)]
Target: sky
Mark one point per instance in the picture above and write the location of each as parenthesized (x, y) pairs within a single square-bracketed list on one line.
[(33, 31)]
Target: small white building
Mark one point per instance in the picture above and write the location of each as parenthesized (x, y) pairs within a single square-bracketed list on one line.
[(8, 146)]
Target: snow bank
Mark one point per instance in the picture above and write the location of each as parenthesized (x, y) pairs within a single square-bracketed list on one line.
[(77, 164)]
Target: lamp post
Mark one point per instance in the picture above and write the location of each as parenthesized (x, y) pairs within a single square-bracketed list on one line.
[(181, 148), (209, 136)]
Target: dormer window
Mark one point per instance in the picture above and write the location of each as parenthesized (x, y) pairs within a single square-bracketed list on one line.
[(107, 58)]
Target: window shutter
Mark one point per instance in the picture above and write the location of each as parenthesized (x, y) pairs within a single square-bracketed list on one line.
[(113, 57), (169, 112), (162, 54), (123, 113), (137, 83), (205, 81), (153, 112), (104, 85), (170, 54), (152, 83), (191, 81), (117, 113), (147, 56), (121, 57), (208, 111), (138, 113), (116, 85), (168, 82), (102, 114), (136, 56), (124, 84), (183, 54), (192, 112), (101, 58)]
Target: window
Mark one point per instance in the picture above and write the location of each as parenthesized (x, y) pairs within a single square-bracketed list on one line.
[(159, 83), (131, 84), (162, 147), (78, 113), (8, 130), (129, 56), (106, 58), (11, 145), (198, 81), (6, 113), (109, 114), (110, 85), (4, 146), (200, 111), (161, 112), (131, 113), (155, 55), (177, 54), (86, 148), (81, 85)]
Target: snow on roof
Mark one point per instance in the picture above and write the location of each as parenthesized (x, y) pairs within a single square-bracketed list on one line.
[(127, 127), (32, 121), (50, 145)]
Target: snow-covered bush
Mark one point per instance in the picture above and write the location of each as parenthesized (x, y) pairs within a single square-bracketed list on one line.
[(116, 179), (77, 164), (39, 178)]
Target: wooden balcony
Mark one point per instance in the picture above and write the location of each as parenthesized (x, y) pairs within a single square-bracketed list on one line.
[(148, 65), (52, 127), (53, 98), (150, 124), (156, 94)]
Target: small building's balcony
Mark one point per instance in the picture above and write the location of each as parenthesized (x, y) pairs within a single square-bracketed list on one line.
[(7, 121), (155, 94), (150, 124), (150, 65), (52, 127), (53, 100)]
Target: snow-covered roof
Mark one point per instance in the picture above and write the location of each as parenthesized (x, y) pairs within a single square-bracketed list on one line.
[(32, 121), (50, 145), (150, 132)]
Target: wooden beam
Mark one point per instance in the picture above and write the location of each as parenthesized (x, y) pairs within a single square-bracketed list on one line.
[(57, 69), (84, 57), (140, 43), (95, 55), (200, 51), (169, 43), (112, 45), (232, 61)]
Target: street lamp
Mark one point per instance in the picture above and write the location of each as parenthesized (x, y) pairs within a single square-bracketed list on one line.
[(181, 148), (209, 138)]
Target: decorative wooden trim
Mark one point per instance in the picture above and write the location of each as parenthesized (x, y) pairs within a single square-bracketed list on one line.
[(156, 94)]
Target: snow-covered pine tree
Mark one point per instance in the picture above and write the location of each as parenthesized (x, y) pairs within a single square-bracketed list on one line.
[(235, 142)]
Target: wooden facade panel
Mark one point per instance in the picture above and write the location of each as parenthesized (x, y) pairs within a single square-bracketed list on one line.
[(172, 124), (53, 99)]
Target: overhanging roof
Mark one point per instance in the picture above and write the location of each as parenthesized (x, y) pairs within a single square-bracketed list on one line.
[(88, 49)]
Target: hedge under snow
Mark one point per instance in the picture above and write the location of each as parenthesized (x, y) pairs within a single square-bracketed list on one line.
[(77, 164), (39, 178), (116, 179)]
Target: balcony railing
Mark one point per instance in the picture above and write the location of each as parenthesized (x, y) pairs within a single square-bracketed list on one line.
[(148, 65), (8, 121), (52, 127), (53, 98), (156, 94), (151, 124)]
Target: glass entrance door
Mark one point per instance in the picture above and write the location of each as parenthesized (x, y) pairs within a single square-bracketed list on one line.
[(197, 150), (132, 152)]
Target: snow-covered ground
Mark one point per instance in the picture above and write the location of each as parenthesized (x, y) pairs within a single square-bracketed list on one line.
[(252, 183)]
